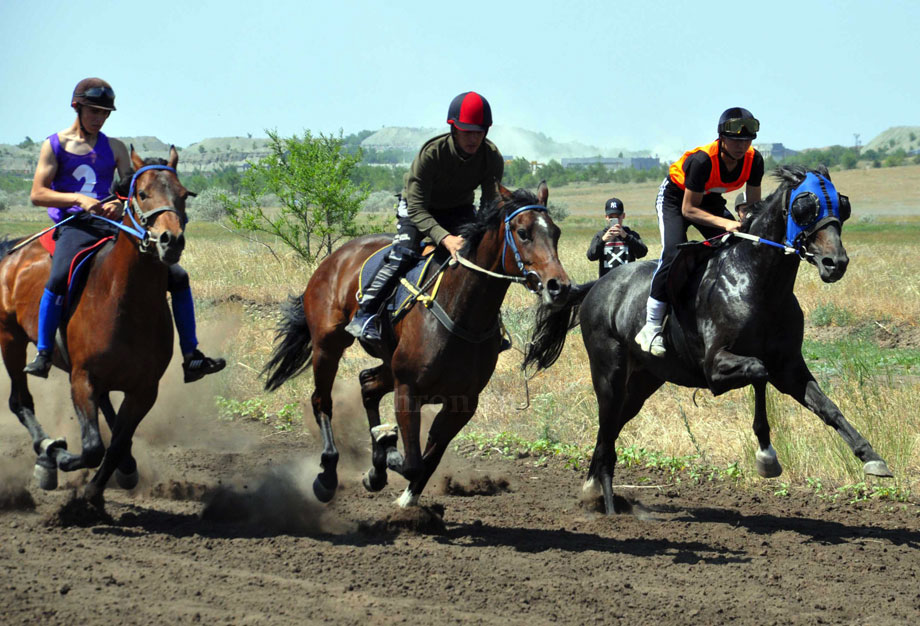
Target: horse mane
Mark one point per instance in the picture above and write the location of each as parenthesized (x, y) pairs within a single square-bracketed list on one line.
[(122, 186), (490, 217), (789, 176)]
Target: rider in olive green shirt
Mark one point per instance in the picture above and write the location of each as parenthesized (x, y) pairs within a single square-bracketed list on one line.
[(438, 199)]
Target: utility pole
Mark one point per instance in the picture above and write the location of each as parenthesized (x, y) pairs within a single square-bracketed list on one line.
[(856, 142)]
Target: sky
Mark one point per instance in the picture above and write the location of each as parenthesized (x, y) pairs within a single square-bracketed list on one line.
[(638, 75)]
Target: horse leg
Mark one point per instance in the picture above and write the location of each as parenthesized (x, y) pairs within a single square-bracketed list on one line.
[(325, 366), (376, 383), (126, 474), (13, 346), (613, 416), (447, 423), (726, 370), (765, 460), (796, 380), (85, 403), (132, 410), (408, 407)]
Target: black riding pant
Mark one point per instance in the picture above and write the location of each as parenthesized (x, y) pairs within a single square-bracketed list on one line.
[(673, 229), (407, 241)]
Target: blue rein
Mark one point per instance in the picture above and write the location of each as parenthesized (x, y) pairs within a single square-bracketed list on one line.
[(509, 242)]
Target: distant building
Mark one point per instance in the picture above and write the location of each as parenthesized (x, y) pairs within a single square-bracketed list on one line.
[(613, 163)]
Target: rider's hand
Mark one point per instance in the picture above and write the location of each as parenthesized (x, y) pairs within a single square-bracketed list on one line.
[(453, 243), (731, 226), (86, 203), (111, 210)]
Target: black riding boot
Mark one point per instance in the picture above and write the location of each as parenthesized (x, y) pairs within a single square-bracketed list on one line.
[(364, 324)]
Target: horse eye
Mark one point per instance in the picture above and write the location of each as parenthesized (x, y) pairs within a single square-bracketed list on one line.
[(522, 234), (805, 209), (844, 207), (141, 195)]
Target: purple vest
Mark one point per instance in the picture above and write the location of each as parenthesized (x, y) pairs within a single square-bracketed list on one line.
[(90, 174)]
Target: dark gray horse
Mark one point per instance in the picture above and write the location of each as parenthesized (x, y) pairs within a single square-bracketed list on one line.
[(739, 323)]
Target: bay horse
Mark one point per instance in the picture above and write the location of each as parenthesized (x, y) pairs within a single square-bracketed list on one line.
[(426, 360), (738, 323), (118, 336)]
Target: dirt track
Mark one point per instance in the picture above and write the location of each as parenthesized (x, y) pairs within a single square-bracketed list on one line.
[(528, 553)]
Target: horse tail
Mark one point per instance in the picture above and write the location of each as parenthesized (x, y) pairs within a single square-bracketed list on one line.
[(551, 328), (293, 351)]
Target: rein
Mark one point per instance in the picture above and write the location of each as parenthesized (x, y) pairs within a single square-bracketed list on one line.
[(786, 249)]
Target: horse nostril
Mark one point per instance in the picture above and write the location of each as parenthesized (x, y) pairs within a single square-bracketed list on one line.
[(165, 238), (828, 262), (553, 287)]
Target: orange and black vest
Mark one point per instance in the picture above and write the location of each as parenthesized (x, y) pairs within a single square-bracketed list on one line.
[(715, 184)]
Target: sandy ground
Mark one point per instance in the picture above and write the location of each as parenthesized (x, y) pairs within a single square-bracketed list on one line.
[(223, 529)]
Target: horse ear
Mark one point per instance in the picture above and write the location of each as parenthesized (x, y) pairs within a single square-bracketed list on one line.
[(136, 160), (503, 192), (543, 192), (173, 157)]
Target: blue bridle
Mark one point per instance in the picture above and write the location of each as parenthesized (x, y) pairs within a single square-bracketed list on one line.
[(509, 242), (139, 219), (800, 227)]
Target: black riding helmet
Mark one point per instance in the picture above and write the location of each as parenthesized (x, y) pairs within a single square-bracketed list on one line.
[(738, 123), (470, 111), (94, 92)]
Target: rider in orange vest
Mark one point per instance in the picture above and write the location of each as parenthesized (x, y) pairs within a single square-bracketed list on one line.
[(692, 194)]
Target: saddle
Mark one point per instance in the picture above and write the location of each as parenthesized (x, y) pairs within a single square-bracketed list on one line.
[(409, 280), (686, 272)]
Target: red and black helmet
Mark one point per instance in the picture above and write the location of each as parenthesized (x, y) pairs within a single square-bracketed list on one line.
[(94, 92), (470, 111)]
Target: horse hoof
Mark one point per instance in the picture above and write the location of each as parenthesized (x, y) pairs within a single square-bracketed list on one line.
[(374, 480), (385, 435), (407, 499), (45, 474), (323, 493), (767, 464), (878, 468), (768, 470), (127, 481)]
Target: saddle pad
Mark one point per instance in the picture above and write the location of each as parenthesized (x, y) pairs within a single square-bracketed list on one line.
[(415, 275)]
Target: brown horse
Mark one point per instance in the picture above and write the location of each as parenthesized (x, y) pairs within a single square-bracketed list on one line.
[(118, 336), (426, 360)]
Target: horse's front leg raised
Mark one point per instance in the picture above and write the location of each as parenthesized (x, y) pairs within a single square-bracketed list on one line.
[(132, 410), (765, 460), (726, 371), (376, 383), (797, 381)]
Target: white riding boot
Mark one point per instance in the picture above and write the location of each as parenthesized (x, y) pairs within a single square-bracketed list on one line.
[(650, 338)]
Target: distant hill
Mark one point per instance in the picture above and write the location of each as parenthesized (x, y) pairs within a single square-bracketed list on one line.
[(512, 141), (906, 137), (218, 152)]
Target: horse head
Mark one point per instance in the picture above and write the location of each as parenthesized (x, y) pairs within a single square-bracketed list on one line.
[(530, 242), (156, 206), (807, 213)]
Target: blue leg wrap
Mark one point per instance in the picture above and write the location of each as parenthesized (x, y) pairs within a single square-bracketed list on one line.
[(184, 313), (49, 316)]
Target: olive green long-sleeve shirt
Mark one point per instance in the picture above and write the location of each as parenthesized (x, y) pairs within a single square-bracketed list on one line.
[(441, 179)]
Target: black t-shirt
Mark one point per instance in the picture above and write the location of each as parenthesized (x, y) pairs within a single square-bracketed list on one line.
[(697, 168)]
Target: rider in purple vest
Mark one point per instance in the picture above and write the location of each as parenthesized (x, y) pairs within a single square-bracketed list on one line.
[(75, 172)]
